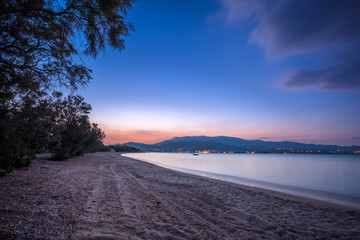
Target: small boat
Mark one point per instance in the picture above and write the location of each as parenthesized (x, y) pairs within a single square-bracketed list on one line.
[(195, 154)]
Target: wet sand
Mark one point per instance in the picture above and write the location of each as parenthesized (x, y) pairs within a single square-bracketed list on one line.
[(107, 196)]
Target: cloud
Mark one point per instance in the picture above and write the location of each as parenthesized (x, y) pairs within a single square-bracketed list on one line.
[(292, 27), (343, 75), (234, 10)]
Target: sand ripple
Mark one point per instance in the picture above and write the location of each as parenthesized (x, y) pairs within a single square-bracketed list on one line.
[(106, 196)]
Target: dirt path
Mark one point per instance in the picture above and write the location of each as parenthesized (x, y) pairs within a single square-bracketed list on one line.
[(106, 196)]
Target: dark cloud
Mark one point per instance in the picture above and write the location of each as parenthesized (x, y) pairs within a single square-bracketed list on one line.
[(291, 27), (343, 75)]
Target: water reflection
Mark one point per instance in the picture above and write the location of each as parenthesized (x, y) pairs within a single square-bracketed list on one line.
[(336, 174)]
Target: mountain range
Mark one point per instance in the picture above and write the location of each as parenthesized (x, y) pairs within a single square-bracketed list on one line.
[(222, 144)]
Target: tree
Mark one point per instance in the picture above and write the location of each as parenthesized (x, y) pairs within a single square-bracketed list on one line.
[(25, 130), (73, 133), (50, 123), (119, 148), (41, 44), (41, 38)]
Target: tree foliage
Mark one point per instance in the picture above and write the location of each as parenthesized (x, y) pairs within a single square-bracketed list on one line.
[(48, 123), (119, 148), (40, 41), (40, 38), (23, 131), (41, 44), (73, 133)]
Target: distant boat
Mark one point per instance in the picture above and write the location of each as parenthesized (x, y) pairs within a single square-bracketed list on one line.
[(195, 154)]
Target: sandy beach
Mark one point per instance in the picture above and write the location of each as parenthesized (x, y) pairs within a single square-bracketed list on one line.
[(107, 196)]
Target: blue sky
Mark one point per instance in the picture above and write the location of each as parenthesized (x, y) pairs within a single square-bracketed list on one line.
[(274, 70)]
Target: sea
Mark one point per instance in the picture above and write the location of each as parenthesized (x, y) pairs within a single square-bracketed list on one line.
[(333, 178)]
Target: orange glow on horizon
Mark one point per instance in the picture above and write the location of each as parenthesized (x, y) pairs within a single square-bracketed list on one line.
[(140, 136), (155, 136), (115, 135)]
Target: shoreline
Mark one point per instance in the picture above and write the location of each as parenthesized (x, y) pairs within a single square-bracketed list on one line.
[(274, 189), (292, 191), (108, 196)]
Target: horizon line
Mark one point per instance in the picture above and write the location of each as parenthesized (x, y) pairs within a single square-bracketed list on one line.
[(258, 139)]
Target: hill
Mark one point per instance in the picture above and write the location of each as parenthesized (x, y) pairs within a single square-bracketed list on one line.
[(238, 145)]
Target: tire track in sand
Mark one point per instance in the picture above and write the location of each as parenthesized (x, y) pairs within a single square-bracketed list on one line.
[(136, 200)]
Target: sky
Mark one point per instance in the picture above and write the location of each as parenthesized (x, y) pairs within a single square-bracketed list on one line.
[(262, 69)]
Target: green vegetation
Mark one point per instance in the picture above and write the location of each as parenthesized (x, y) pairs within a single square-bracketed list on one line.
[(73, 134), (119, 148), (41, 43)]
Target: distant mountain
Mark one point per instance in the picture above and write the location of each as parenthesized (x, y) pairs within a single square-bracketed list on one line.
[(142, 146), (232, 144)]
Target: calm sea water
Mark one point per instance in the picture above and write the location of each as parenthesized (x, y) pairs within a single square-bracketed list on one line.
[(332, 178)]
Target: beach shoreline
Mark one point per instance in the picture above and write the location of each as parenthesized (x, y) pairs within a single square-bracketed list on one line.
[(305, 194), (108, 196)]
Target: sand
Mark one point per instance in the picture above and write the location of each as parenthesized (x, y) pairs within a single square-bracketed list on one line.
[(107, 196)]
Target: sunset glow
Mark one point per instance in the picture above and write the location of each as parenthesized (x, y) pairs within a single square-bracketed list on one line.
[(225, 69)]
